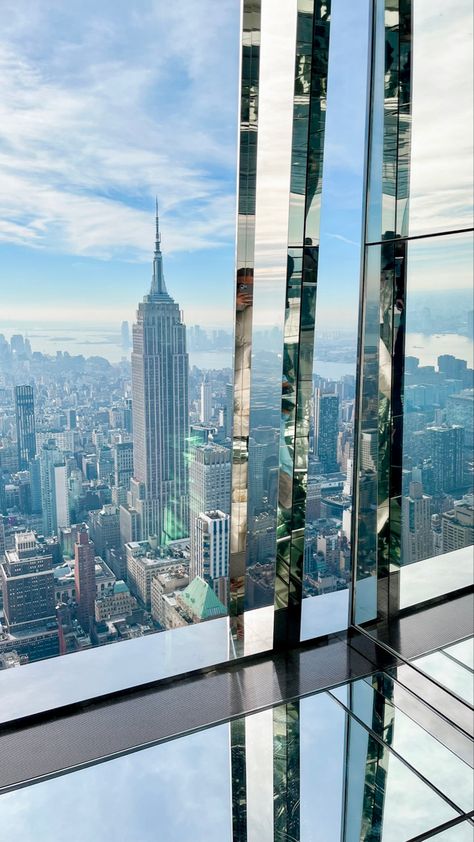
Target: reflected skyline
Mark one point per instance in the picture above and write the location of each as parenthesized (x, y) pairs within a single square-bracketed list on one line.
[(345, 765)]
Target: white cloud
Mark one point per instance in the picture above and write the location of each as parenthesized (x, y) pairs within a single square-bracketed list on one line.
[(102, 108), (442, 117)]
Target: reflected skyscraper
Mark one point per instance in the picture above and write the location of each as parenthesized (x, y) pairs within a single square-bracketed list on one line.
[(326, 429), (160, 410)]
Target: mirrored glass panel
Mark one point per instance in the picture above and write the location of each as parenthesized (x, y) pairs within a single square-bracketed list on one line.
[(327, 564), (462, 652), (416, 426), (456, 677), (436, 507), (420, 176), (372, 701), (133, 797), (306, 771), (462, 832), (442, 96)]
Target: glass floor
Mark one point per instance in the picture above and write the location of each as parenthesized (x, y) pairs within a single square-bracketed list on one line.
[(363, 762), (452, 667)]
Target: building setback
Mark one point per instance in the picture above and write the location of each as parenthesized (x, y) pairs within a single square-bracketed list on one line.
[(160, 411)]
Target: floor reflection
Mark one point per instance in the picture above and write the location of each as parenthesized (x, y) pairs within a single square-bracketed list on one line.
[(352, 764)]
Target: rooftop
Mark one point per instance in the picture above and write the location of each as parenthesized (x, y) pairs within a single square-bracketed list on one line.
[(201, 601)]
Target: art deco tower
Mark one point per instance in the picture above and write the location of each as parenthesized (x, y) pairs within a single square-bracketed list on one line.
[(159, 488)]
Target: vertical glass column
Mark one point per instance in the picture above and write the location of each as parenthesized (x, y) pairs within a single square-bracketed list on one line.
[(309, 111), (414, 508), (382, 342), (286, 771), (249, 103), (261, 276)]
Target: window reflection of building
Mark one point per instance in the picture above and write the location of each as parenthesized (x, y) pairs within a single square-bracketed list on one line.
[(417, 411)]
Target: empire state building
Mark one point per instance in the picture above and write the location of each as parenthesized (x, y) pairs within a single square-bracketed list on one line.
[(159, 488)]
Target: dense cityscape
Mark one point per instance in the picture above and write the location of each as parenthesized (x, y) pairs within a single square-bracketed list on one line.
[(115, 480)]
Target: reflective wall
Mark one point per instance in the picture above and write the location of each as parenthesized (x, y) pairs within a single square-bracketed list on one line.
[(415, 515), (297, 292), (327, 563), (277, 242)]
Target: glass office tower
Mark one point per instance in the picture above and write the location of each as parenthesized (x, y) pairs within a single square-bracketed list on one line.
[(334, 703)]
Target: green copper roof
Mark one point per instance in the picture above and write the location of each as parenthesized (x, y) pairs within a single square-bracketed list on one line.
[(201, 600)]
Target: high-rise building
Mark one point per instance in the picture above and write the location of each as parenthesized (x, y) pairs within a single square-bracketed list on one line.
[(25, 425), (65, 440), (27, 580), (212, 550), (457, 528), (209, 487), (105, 464), (142, 565), (205, 413), (54, 488), (326, 430), (160, 409), (2, 538), (71, 419), (105, 529), (368, 450), (460, 411), (125, 336), (417, 538), (84, 577), (446, 450), (130, 528), (228, 410), (123, 464)]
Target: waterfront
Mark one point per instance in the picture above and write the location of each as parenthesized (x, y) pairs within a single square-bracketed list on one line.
[(104, 341)]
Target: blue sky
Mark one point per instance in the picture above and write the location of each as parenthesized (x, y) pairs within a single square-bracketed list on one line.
[(104, 105)]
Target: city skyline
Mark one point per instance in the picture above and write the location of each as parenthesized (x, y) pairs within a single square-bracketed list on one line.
[(115, 441)]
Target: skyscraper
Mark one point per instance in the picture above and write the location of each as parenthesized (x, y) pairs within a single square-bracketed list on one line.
[(205, 414), (446, 450), (160, 409), (2, 538), (417, 538), (212, 550), (228, 410), (326, 429), (457, 528), (209, 488), (54, 488), (84, 576), (27, 580), (25, 425), (125, 336), (123, 463)]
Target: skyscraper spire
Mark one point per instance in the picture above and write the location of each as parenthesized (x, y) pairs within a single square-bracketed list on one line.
[(158, 286), (157, 222)]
